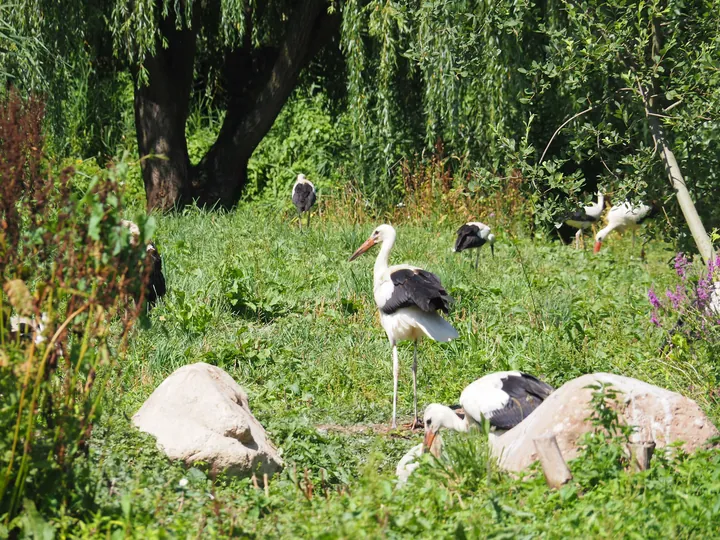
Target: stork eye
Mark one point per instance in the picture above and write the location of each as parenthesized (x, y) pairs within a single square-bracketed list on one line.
[(427, 422)]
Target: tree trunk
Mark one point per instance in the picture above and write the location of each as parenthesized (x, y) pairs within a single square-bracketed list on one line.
[(161, 109), (260, 81), (702, 240), (221, 175)]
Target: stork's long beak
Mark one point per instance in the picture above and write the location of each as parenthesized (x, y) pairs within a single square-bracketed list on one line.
[(597, 247), (428, 440), (492, 249), (370, 242)]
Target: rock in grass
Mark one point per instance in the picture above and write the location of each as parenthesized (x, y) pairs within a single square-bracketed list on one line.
[(199, 413), (658, 416)]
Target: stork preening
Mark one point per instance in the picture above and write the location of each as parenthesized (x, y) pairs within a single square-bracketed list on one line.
[(409, 299), (474, 235), (156, 285), (303, 197), (504, 399), (583, 219), (624, 216)]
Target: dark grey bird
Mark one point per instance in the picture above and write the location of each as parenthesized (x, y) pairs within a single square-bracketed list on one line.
[(303, 197), (504, 399), (474, 235)]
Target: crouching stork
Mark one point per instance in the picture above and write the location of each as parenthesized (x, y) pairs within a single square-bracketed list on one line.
[(303, 197), (156, 287), (409, 299), (503, 399), (474, 235), (625, 216)]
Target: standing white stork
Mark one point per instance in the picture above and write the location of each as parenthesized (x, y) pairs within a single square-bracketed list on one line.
[(504, 399), (303, 197), (408, 299), (582, 219), (624, 216), (474, 235)]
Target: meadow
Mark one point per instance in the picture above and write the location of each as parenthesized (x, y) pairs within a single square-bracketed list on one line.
[(294, 323)]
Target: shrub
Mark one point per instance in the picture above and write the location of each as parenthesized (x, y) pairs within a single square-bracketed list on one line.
[(68, 268)]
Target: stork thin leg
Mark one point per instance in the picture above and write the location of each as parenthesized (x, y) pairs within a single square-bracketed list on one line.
[(477, 258), (396, 374), (414, 374), (300, 220), (577, 238), (308, 219)]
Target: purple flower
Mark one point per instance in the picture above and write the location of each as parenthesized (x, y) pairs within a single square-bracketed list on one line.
[(677, 297), (704, 289), (681, 264), (652, 297), (654, 318)]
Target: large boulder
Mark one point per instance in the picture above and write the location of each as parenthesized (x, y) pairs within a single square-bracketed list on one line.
[(199, 413), (659, 416)]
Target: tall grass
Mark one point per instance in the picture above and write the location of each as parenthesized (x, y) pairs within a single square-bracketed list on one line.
[(69, 273)]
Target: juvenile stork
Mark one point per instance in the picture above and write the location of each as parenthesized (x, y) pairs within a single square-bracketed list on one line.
[(156, 286), (582, 219), (303, 197), (504, 399), (474, 235), (624, 216), (408, 299)]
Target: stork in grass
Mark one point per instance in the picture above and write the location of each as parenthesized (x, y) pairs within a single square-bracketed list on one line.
[(156, 286), (583, 219), (474, 235), (409, 299), (625, 216), (503, 399), (303, 197)]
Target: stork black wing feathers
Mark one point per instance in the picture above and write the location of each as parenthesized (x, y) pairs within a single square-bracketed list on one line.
[(526, 394), (419, 288), (156, 286), (303, 197), (467, 237), (579, 216)]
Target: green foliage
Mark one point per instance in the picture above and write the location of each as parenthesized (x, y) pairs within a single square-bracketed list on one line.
[(68, 271)]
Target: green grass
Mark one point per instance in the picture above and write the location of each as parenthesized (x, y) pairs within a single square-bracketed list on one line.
[(294, 323)]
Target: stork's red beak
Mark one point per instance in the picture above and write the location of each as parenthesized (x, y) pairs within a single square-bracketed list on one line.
[(597, 247), (428, 440), (370, 242)]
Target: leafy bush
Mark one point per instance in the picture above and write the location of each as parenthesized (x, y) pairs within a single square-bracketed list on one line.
[(69, 270)]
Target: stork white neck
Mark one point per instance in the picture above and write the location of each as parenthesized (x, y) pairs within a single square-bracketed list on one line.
[(381, 263)]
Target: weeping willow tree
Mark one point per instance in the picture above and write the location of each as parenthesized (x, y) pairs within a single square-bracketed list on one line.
[(248, 55), (572, 94)]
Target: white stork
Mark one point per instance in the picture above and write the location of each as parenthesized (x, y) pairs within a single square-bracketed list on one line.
[(156, 286), (504, 399), (303, 197), (582, 219), (474, 235), (624, 216), (408, 299)]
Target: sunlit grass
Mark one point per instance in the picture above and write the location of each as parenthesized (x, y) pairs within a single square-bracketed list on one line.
[(308, 347)]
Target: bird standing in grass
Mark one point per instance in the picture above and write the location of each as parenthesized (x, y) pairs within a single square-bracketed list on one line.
[(474, 235), (156, 284), (582, 219), (624, 216), (409, 299), (503, 399), (303, 197)]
